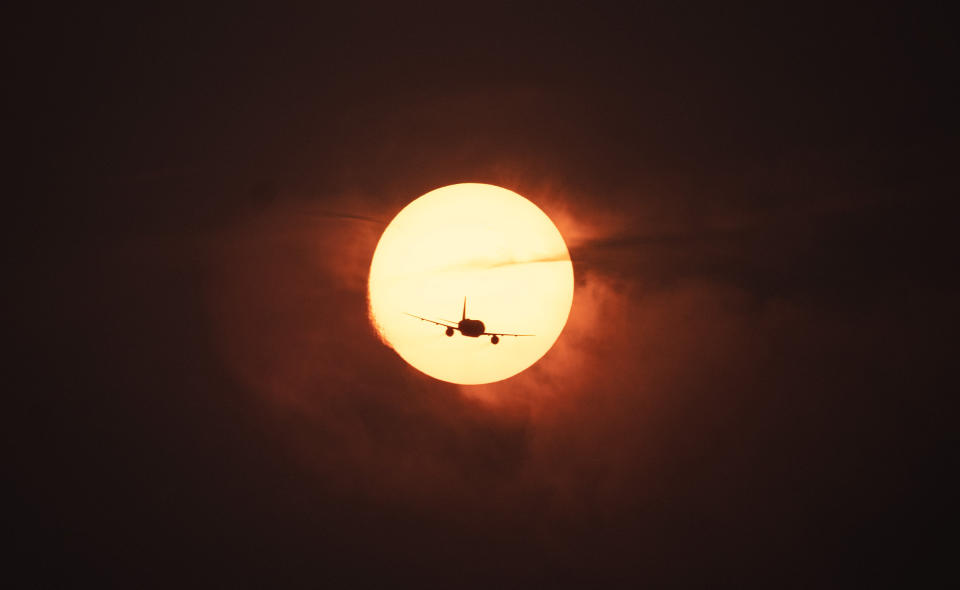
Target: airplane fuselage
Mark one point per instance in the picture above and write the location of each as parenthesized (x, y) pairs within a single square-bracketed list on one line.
[(471, 328)]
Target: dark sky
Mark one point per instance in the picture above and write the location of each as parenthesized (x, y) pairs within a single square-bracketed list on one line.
[(752, 386)]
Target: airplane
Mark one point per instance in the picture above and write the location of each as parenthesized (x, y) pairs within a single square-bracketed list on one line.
[(467, 327)]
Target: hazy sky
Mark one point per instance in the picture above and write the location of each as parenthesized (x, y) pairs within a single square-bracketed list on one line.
[(748, 390)]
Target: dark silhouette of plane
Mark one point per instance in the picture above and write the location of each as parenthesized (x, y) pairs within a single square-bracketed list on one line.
[(467, 327)]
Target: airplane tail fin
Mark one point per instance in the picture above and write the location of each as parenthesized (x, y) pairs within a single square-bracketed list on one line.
[(464, 308)]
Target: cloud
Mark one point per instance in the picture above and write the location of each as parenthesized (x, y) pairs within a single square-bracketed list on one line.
[(684, 400)]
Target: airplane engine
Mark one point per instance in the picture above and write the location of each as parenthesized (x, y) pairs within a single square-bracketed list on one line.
[(449, 331), (494, 339)]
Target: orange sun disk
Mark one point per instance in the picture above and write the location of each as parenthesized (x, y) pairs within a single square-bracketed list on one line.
[(483, 243)]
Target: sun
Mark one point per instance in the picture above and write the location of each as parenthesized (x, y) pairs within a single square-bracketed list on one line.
[(479, 247)]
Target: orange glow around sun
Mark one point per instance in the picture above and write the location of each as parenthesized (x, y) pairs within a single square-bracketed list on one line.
[(487, 244)]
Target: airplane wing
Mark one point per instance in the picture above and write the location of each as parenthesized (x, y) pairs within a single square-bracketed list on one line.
[(446, 325), (503, 334)]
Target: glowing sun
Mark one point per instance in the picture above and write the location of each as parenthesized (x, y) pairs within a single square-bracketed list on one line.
[(481, 243)]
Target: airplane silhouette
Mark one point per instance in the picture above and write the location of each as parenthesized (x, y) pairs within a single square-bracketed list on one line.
[(467, 327)]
